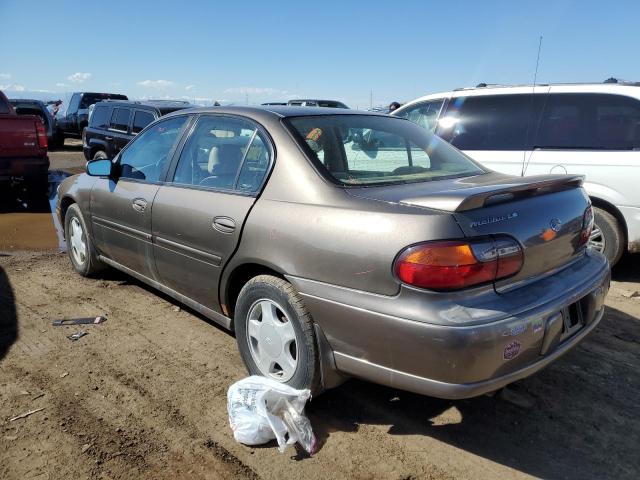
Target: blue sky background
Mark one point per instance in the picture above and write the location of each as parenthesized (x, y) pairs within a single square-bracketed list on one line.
[(275, 50)]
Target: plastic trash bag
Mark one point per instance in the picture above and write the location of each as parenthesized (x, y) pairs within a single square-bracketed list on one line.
[(261, 409)]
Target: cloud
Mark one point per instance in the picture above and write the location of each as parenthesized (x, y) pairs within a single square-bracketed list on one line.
[(188, 88), (79, 77), (13, 87), (156, 83), (255, 91), (60, 84), (5, 76)]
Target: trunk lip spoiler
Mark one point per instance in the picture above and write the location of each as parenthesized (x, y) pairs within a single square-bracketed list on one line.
[(471, 198)]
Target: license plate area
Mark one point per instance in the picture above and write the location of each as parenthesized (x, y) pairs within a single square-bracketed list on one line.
[(573, 319)]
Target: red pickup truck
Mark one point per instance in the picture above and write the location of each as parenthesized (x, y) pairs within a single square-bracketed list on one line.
[(23, 149)]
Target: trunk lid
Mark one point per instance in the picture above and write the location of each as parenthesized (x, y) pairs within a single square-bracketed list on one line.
[(544, 213)]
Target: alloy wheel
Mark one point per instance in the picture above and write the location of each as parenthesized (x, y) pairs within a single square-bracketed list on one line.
[(597, 240)]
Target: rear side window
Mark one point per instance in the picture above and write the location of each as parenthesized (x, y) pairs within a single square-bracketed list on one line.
[(424, 114), (100, 117), (590, 121), (140, 120), (223, 153), (491, 122), (120, 119)]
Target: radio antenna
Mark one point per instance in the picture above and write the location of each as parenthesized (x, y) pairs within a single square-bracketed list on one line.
[(535, 79)]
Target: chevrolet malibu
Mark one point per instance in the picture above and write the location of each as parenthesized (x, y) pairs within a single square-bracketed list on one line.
[(336, 243)]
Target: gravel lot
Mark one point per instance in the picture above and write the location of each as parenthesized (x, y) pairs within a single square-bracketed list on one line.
[(143, 396)]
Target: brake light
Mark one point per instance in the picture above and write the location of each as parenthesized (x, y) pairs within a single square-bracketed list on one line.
[(587, 226), (456, 264), (41, 134)]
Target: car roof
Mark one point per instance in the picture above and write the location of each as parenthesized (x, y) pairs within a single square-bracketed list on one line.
[(625, 88), (276, 111), (162, 105)]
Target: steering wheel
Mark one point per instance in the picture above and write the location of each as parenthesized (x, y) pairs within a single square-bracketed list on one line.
[(408, 169), (205, 179)]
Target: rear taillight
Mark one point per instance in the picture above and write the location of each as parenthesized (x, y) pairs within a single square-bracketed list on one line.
[(456, 264), (41, 134), (587, 226)]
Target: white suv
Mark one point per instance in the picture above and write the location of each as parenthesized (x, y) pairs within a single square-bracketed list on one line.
[(590, 129)]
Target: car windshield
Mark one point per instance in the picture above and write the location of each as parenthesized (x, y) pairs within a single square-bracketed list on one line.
[(372, 150)]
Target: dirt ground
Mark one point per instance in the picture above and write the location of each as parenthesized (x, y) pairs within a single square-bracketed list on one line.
[(143, 396)]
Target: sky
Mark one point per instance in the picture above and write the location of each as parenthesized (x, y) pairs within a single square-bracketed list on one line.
[(353, 51)]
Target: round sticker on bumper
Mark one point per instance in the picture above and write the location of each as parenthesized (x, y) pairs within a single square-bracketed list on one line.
[(511, 350)]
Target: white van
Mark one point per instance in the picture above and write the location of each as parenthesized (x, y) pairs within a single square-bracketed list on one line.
[(590, 129)]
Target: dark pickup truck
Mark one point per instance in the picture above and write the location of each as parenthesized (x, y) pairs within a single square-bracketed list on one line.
[(72, 119), (23, 148)]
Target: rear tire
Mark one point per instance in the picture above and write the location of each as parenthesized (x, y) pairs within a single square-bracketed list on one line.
[(100, 155), (288, 334), (82, 254), (607, 236)]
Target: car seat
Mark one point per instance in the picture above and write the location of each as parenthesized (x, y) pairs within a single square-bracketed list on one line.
[(223, 164)]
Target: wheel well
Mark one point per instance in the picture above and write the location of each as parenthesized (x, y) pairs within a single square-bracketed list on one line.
[(65, 203), (604, 205), (239, 277), (97, 148)]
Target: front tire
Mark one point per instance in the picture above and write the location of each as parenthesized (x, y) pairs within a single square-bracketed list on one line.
[(100, 155), (275, 333), (607, 236), (79, 245)]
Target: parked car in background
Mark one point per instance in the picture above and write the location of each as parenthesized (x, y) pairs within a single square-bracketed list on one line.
[(23, 149), (339, 242), (114, 122), (316, 103), (590, 129), (39, 109), (73, 117), (274, 103)]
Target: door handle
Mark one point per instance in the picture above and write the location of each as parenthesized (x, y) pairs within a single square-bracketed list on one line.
[(108, 138), (139, 204), (224, 224)]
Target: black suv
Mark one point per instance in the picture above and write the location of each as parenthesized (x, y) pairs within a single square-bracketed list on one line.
[(72, 119), (113, 123)]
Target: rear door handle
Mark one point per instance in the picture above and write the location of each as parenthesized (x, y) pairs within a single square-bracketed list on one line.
[(108, 138), (139, 204), (224, 224)]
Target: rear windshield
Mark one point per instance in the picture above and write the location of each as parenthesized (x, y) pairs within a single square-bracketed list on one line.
[(372, 150), (91, 98)]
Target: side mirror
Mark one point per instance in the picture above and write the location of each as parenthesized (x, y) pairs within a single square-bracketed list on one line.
[(99, 168)]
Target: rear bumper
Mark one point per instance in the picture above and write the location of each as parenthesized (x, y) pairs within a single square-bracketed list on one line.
[(520, 332), (23, 167)]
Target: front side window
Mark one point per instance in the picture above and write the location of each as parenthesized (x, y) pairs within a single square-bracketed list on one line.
[(140, 120), (367, 149), (145, 158), (424, 114), (120, 119), (100, 117), (491, 122), (223, 153), (590, 121)]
